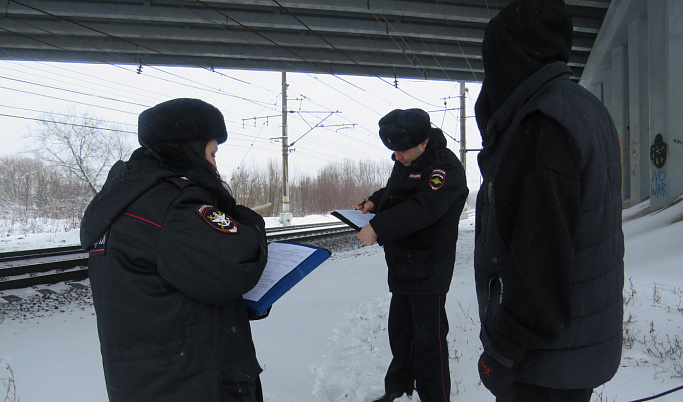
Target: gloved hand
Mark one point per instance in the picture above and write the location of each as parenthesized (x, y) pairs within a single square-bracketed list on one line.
[(255, 315), (496, 377)]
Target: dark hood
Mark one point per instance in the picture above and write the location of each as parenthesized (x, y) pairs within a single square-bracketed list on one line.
[(125, 183), (524, 37)]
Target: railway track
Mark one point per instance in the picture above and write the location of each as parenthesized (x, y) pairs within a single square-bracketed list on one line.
[(23, 269)]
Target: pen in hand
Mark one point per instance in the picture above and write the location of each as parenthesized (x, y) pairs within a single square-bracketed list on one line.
[(363, 206)]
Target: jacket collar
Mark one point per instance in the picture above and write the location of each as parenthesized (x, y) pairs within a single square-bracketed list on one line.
[(503, 117)]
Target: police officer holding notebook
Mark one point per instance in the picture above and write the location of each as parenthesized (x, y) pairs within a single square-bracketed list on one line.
[(416, 221)]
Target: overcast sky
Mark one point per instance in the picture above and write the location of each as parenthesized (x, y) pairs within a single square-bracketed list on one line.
[(333, 117)]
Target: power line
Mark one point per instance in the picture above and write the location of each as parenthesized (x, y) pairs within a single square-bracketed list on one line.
[(68, 124), (52, 113), (117, 38), (458, 42), (72, 91), (284, 47), (66, 100)]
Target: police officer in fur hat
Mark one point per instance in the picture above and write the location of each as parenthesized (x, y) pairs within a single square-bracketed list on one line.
[(171, 254), (416, 220)]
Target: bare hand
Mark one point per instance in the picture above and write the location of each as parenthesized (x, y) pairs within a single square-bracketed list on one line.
[(367, 235), (364, 206)]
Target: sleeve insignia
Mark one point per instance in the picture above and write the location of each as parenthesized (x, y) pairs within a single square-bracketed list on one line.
[(217, 219), (100, 246), (437, 179)]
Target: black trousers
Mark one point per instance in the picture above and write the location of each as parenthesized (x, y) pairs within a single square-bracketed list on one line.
[(527, 392), (417, 335)]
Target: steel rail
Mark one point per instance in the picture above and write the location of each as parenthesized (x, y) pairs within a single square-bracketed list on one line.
[(23, 269)]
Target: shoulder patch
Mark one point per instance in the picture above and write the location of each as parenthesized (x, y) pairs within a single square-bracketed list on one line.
[(217, 219), (437, 179)]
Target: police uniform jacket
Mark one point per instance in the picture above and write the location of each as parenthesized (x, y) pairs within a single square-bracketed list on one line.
[(168, 270), (417, 215)]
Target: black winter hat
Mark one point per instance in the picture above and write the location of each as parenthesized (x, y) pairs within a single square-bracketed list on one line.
[(181, 119), (404, 129)]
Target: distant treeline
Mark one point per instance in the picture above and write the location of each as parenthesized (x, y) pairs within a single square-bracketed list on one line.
[(32, 189), (334, 186)]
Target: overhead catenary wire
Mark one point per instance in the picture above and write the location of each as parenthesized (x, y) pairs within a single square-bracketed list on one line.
[(334, 47), (69, 124), (44, 95), (131, 42), (73, 91), (361, 127), (55, 114), (137, 45), (103, 84), (404, 43), (208, 89), (84, 26), (66, 100)]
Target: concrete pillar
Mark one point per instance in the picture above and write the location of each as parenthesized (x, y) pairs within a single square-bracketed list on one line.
[(639, 105), (596, 89), (674, 50), (606, 77), (665, 74), (620, 113)]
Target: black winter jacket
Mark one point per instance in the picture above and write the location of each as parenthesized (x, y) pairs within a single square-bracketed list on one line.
[(549, 245), (168, 271), (417, 215)]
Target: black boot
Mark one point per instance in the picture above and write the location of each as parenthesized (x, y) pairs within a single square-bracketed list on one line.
[(389, 397)]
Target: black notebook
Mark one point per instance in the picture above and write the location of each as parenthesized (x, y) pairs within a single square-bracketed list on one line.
[(354, 218)]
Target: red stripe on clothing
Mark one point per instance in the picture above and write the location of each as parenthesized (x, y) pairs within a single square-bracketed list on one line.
[(142, 219), (443, 386)]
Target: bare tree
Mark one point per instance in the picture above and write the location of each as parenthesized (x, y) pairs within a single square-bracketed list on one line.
[(254, 186), (80, 145), (336, 185), (28, 188), (18, 176)]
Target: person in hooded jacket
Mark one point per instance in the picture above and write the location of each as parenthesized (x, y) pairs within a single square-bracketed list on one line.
[(170, 256), (548, 241), (417, 215)]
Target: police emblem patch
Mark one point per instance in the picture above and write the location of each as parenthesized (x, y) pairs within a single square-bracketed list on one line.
[(217, 219), (437, 179)]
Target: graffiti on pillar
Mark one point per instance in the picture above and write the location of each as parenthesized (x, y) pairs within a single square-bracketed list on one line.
[(658, 152), (658, 184), (658, 158)]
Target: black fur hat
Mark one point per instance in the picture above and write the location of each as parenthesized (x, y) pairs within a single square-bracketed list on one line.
[(181, 119), (404, 129)]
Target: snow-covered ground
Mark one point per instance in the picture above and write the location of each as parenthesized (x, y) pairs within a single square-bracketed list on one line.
[(326, 339)]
